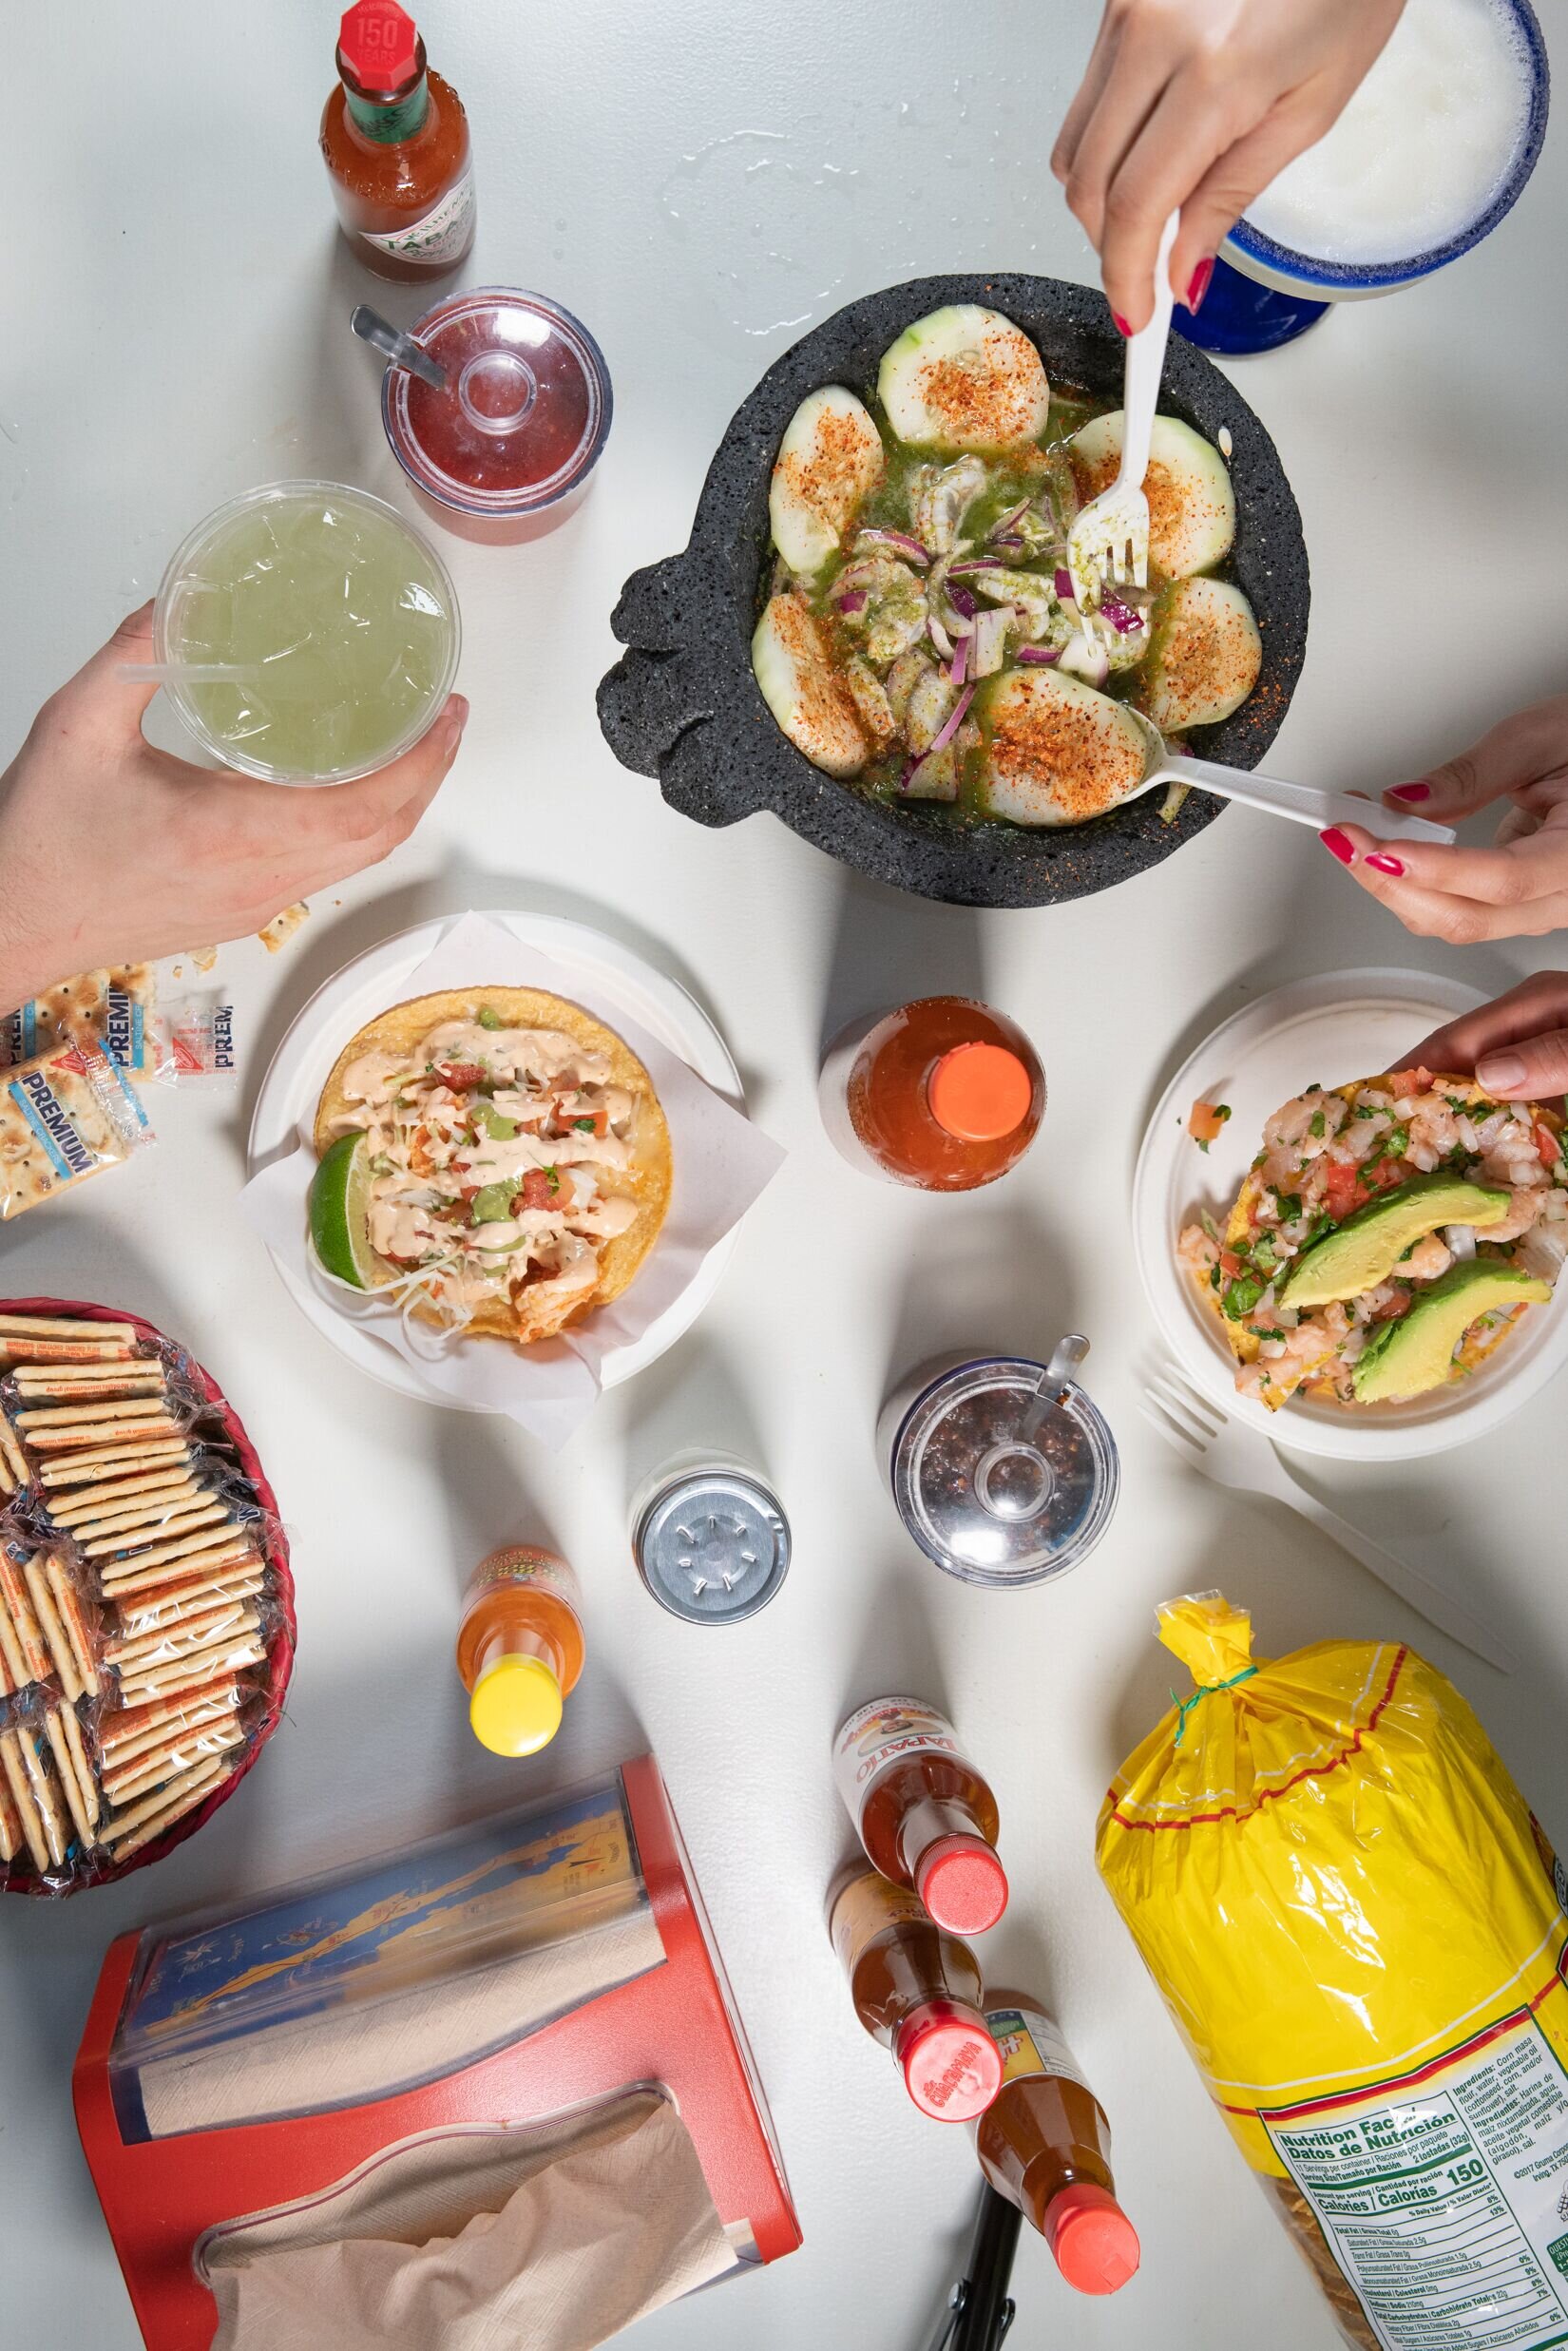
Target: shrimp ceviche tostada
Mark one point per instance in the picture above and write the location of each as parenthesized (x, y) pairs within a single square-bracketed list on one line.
[(921, 636), (498, 1161), (1388, 1237)]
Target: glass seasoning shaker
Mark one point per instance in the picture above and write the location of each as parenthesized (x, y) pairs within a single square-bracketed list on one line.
[(917, 1989), (943, 1093), (1044, 2144), (710, 1538), (395, 139), (1004, 1470), (925, 1817), (520, 1647)]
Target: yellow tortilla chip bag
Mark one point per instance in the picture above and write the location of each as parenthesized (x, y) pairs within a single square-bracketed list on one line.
[(1359, 1930)]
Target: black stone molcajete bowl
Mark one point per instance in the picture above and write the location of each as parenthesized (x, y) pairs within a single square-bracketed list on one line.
[(683, 705)]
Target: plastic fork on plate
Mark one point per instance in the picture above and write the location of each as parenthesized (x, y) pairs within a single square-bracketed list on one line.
[(1242, 1459), (1110, 539)]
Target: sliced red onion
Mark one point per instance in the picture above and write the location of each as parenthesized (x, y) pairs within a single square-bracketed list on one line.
[(972, 564), (960, 659), (940, 637), (1064, 584), (1008, 542), (1121, 617), (908, 547), (855, 602), (953, 720), (961, 598), (1008, 520), (1038, 657)]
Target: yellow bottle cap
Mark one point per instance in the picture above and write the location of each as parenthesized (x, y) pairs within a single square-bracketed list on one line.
[(515, 1707)]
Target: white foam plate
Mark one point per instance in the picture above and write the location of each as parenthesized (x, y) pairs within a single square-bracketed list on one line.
[(1348, 1024), (379, 978)]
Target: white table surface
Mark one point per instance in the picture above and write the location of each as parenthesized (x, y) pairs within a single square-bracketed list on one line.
[(701, 183)]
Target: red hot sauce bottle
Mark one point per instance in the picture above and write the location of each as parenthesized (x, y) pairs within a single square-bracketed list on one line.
[(925, 1817), (943, 1093), (917, 1991), (1044, 2144), (395, 142)]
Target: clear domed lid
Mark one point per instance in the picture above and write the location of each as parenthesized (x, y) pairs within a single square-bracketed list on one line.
[(1005, 1470)]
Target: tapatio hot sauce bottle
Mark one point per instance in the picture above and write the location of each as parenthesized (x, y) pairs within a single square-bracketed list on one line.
[(943, 1093), (520, 1647), (1044, 2144), (925, 1817), (917, 1991), (395, 142)]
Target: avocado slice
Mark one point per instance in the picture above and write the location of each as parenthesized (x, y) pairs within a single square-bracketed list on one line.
[(1365, 1249), (1416, 1353)]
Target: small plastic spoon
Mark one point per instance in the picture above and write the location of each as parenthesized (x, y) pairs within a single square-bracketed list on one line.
[(1305, 804), (394, 345), (187, 673)]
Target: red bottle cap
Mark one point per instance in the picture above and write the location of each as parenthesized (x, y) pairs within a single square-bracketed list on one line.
[(1094, 2244), (979, 1092), (962, 1883), (951, 2066), (379, 44)]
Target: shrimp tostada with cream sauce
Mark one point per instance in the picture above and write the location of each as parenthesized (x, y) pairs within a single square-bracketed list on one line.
[(1390, 1236), (921, 639), (498, 1161)]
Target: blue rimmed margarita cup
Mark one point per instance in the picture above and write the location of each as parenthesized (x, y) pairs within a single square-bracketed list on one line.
[(1264, 294)]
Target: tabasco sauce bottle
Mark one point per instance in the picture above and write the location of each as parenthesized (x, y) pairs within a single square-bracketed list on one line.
[(923, 1814), (1044, 2144), (395, 142), (917, 1991)]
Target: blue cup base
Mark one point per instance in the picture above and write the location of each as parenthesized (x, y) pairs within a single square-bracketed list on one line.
[(1240, 318)]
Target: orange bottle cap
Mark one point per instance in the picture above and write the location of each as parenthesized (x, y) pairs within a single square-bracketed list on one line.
[(979, 1092), (1094, 2244), (951, 2066), (962, 1883)]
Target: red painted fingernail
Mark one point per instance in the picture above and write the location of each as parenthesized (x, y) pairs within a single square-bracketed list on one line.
[(1122, 328), (1338, 845), (1200, 286), (1408, 791), (1385, 865)]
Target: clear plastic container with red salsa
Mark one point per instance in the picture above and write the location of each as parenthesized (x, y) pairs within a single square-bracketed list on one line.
[(505, 451)]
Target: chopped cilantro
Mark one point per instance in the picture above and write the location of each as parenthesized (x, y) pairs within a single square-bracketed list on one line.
[(1270, 1334), (1456, 1102), (1321, 1224), (585, 1126), (1240, 1296), (1364, 1112), (1290, 1207), (1320, 1124), (555, 1180), (1214, 1277), (1315, 1087)]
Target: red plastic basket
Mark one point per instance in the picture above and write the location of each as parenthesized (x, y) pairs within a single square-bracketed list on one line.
[(280, 1648)]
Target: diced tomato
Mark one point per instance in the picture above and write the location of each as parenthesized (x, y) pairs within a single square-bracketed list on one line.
[(1548, 1145), (1343, 1186), (1378, 1179), (582, 1120), (537, 1190), (469, 1194), (461, 1076), (1230, 1264), (1204, 1121)]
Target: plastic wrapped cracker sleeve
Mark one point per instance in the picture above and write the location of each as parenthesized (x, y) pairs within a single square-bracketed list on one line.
[(65, 1116), (115, 1004)]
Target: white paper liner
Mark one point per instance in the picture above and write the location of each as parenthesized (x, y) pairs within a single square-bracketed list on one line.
[(721, 1162)]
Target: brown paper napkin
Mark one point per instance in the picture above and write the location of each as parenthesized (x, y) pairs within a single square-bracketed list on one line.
[(559, 2237)]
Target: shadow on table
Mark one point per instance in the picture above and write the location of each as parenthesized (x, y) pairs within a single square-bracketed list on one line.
[(953, 1303), (334, 937), (693, 1396), (894, 1647), (890, 948)]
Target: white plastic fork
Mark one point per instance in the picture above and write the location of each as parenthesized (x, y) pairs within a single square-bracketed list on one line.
[(1110, 539), (1242, 1459)]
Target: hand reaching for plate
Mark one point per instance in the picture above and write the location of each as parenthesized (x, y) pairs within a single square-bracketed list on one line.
[(113, 853), (1516, 890), (1518, 1046), (1200, 103)]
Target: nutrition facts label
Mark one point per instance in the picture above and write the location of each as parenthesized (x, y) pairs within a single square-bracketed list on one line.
[(1447, 2208)]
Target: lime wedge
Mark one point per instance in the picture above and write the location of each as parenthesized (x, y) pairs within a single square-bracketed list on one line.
[(339, 1217)]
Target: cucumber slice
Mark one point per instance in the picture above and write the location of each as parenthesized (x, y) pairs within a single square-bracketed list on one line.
[(1192, 506), (803, 689), (1057, 752), (964, 378), (828, 463), (1205, 655)]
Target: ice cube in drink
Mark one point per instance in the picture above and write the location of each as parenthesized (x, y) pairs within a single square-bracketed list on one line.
[(339, 621)]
